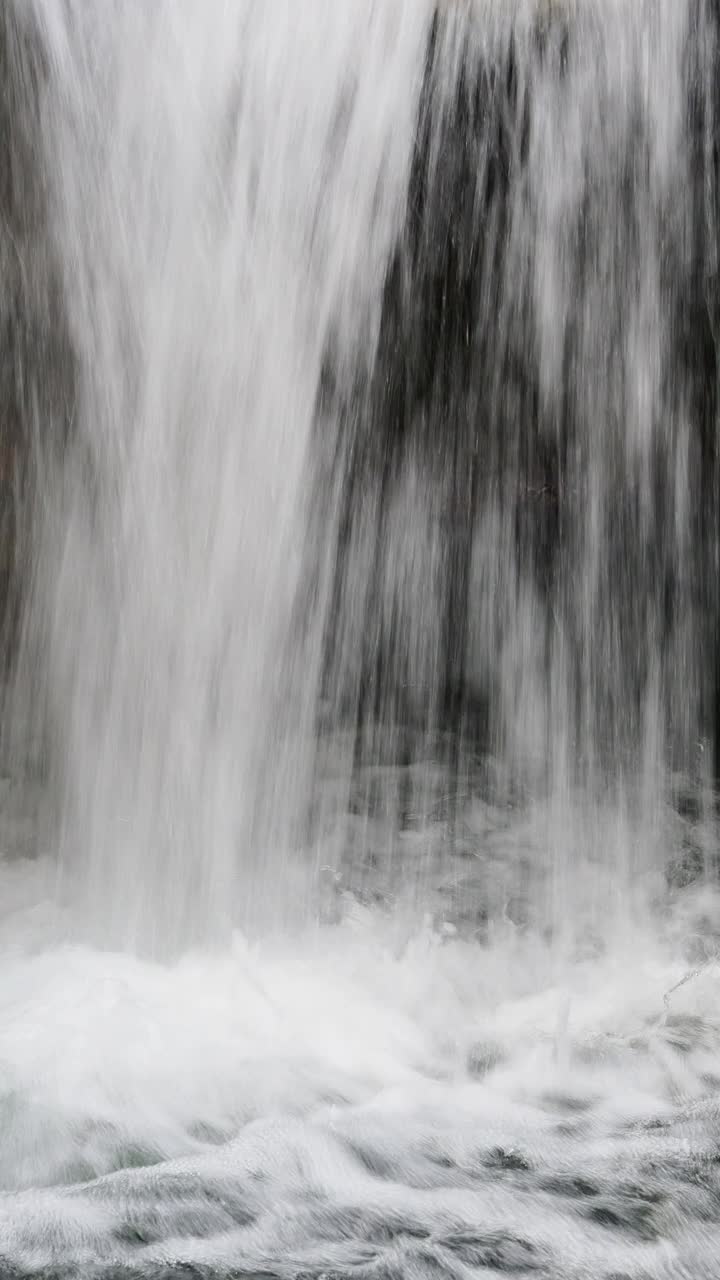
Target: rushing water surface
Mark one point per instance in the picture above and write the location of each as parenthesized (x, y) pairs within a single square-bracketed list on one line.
[(359, 903)]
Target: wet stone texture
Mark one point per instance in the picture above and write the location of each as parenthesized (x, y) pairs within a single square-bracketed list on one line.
[(456, 427)]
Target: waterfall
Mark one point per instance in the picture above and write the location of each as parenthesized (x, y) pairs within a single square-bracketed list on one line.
[(359, 605), (254, 169), (391, 438)]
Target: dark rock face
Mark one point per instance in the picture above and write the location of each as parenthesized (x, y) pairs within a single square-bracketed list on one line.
[(36, 364), (444, 396), (698, 329), (466, 425)]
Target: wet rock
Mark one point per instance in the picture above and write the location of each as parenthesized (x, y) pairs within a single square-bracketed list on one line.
[(689, 805), (635, 1212), (686, 868), (506, 1160), (574, 1186)]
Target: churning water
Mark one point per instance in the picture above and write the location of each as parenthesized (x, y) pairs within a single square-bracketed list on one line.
[(358, 905)]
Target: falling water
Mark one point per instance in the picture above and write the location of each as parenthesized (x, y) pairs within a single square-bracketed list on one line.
[(218, 218), (364, 674)]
